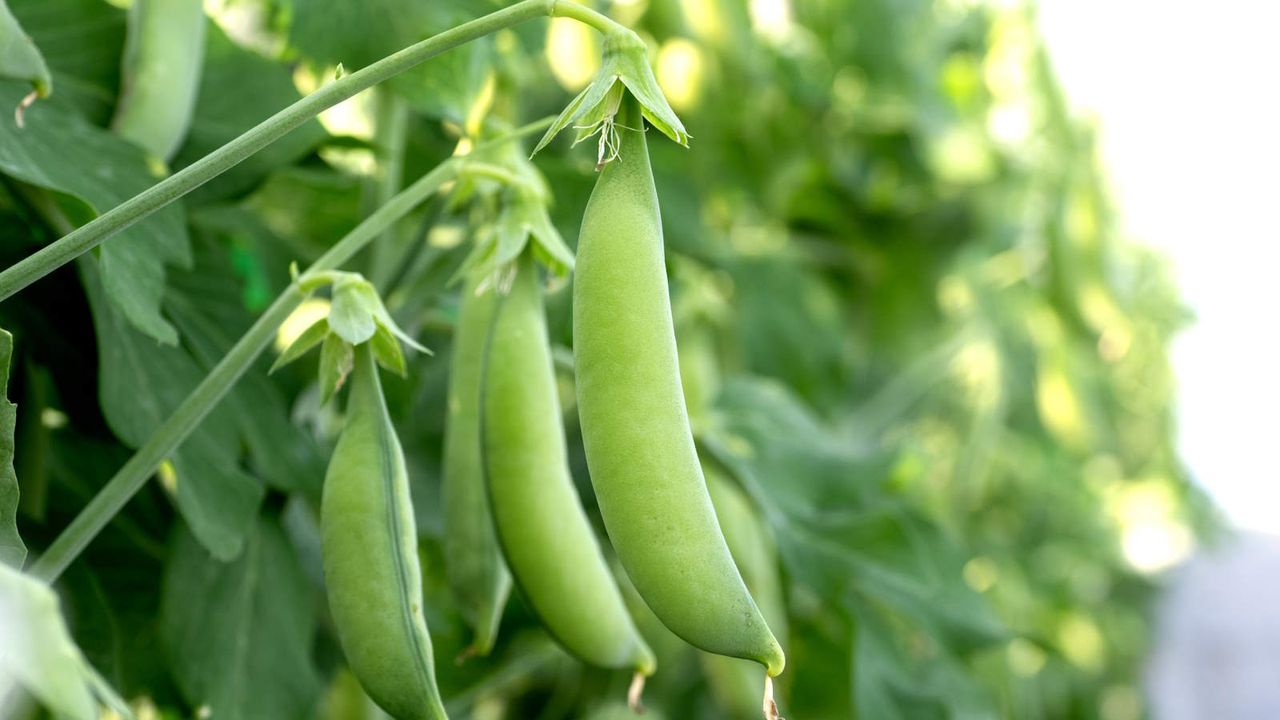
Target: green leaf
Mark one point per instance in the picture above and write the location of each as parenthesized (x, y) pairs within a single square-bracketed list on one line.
[(309, 338), (58, 150), (307, 207), (444, 87), (239, 634), (386, 349), (211, 318), (20, 59), (82, 41), (140, 384), (238, 89), (12, 551), (337, 358), (39, 654)]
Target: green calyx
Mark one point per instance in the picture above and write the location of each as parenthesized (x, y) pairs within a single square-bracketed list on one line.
[(522, 221), (592, 112), (513, 198), (356, 315)]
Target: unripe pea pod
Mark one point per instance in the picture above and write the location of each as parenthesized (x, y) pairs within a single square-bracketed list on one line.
[(635, 427), (161, 74), (369, 548), (752, 545), (553, 554), (473, 560)]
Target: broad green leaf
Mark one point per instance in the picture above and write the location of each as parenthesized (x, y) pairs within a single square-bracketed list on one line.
[(38, 654), (238, 90), (140, 385), (239, 634), (59, 151), (20, 59), (82, 41), (443, 87), (12, 551), (212, 318)]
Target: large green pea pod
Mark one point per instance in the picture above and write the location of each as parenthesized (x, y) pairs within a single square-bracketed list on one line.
[(161, 74), (545, 535), (734, 682), (473, 560), (635, 427), (369, 545)]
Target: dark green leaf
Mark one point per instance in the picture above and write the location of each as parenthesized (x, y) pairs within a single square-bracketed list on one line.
[(239, 634), (19, 57), (12, 551), (60, 151), (212, 318), (141, 384), (82, 40)]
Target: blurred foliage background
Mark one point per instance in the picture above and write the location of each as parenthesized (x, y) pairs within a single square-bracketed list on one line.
[(912, 337)]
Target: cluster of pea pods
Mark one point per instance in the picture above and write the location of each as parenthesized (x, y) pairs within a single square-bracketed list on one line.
[(512, 512)]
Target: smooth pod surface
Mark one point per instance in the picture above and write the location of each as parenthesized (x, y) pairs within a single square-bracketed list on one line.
[(369, 546), (477, 574), (737, 683), (546, 537), (161, 73), (635, 427)]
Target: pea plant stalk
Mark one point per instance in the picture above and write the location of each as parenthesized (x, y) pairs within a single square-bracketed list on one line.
[(90, 235), (133, 475)]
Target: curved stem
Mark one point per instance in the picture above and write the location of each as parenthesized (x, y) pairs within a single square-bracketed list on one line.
[(88, 236), (585, 15), (392, 125)]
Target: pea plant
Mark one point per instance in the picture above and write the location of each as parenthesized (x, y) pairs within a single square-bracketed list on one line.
[(415, 360)]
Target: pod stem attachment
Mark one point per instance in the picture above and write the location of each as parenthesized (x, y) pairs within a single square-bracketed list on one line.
[(769, 706), (634, 692)]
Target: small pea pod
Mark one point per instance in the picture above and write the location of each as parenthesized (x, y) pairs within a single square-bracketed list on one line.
[(161, 74), (369, 547), (548, 542), (635, 427), (734, 682), (473, 560)]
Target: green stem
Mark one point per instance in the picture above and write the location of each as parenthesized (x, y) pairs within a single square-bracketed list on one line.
[(88, 236), (134, 474), (392, 125), (499, 174), (583, 14)]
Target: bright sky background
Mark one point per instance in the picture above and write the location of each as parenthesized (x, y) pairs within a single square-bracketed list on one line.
[(1187, 95)]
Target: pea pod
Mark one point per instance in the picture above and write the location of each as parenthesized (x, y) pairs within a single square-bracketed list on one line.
[(369, 547), (635, 427), (751, 543), (548, 542), (473, 560), (161, 74)]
